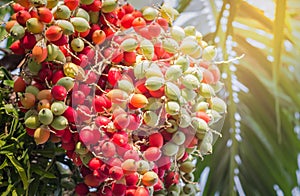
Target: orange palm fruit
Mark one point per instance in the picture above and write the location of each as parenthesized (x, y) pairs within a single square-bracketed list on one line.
[(39, 52), (138, 100), (98, 36)]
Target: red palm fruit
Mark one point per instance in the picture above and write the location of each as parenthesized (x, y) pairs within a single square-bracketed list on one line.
[(16, 47), (45, 74), (132, 179), (184, 157), (59, 133), (116, 172), (171, 178), (59, 92), (98, 37), (114, 74), (208, 77), (102, 121), (158, 93), (44, 14), (140, 86), (108, 101), (129, 57), (95, 6), (128, 8), (152, 154), (22, 16), (78, 97), (154, 29), (108, 31), (53, 33), (142, 191), (9, 25), (33, 13), (29, 131), (66, 136), (163, 23), (138, 23), (39, 52), (19, 85), (158, 50), (144, 32), (88, 52), (138, 100), (95, 163), (57, 75), (117, 56), (131, 154), (108, 149), (71, 4), (203, 115), (130, 191), (68, 146), (17, 7), (91, 180), (159, 185), (28, 41), (63, 40), (137, 13), (83, 113), (86, 136), (127, 20), (81, 189), (118, 189), (99, 103), (91, 77), (85, 89), (121, 121), (117, 111), (114, 161), (120, 12), (164, 163), (82, 60), (82, 34), (70, 114), (110, 18), (135, 122), (120, 139), (121, 150)]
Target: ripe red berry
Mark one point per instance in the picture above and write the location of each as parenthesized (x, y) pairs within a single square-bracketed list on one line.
[(127, 20), (152, 154), (116, 172), (59, 92), (95, 163)]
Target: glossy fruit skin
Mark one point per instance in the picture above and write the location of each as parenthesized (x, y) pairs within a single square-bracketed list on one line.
[(53, 33), (19, 85), (41, 135), (59, 92)]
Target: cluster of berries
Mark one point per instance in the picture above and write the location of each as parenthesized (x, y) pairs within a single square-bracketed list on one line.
[(131, 98)]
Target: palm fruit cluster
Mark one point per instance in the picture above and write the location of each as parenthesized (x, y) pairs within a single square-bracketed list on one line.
[(131, 98)]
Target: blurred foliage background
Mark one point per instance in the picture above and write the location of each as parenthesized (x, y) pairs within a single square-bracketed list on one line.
[(259, 151)]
